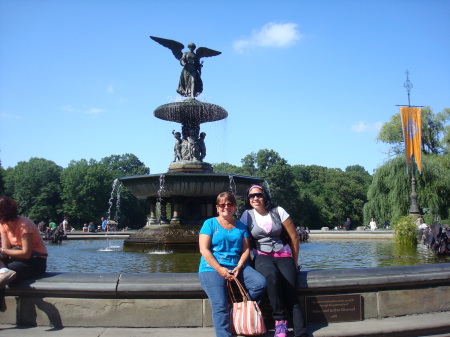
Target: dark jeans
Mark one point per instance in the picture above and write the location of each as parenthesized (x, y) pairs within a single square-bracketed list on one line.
[(27, 269), (281, 277)]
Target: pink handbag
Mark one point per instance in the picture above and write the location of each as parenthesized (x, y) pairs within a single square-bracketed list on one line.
[(245, 317)]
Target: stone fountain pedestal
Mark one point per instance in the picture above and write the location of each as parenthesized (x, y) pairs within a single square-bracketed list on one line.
[(189, 189)]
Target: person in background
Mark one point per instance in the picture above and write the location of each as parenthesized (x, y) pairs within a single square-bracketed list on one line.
[(348, 224), (85, 228), (224, 248), (65, 225), (52, 225), (419, 221), (42, 226), (372, 224), (91, 227), (23, 254), (276, 253), (104, 224)]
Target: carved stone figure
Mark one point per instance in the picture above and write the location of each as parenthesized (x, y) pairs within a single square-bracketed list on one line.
[(191, 148), (177, 146), (190, 84), (201, 148)]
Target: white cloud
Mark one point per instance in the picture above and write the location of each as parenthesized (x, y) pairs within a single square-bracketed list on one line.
[(84, 110), (4, 115), (110, 89), (93, 111), (68, 108), (271, 35), (366, 127)]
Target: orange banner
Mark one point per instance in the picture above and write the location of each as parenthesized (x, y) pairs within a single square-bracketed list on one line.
[(412, 134)]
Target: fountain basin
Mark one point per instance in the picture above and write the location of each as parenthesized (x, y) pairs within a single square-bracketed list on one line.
[(188, 185), (179, 204), (189, 111)]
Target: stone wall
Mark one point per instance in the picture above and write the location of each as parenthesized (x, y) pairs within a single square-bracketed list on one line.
[(177, 300)]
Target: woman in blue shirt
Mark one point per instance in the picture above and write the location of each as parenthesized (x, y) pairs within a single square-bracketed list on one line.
[(224, 245)]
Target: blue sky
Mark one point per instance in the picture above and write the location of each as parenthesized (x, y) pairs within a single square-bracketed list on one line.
[(312, 80)]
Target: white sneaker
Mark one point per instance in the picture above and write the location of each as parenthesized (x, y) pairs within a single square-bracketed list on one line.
[(6, 277)]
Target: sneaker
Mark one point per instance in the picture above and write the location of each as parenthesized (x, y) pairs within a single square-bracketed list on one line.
[(6, 276), (281, 329)]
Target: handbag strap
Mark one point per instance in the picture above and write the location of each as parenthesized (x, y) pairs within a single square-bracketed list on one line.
[(241, 290)]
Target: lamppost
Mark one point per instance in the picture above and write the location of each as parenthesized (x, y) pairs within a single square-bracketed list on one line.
[(411, 125)]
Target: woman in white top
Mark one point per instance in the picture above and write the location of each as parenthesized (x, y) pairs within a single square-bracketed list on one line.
[(276, 257), (372, 224)]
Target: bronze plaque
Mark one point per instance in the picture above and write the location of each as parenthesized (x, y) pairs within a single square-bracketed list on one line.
[(333, 308)]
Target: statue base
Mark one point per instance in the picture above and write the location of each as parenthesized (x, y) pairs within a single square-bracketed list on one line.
[(190, 167), (164, 238)]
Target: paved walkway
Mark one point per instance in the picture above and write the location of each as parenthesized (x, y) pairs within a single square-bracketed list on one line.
[(433, 324)]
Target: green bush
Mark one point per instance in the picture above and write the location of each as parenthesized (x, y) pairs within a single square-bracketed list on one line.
[(405, 231)]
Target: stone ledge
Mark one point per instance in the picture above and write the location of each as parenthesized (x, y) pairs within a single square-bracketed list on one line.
[(187, 285), (177, 300)]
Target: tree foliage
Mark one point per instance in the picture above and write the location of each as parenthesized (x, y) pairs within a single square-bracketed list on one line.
[(314, 196), (335, 194), (81, 191), (35, 185), (435, 132), (389, 194), (87, 188), (2, 179)]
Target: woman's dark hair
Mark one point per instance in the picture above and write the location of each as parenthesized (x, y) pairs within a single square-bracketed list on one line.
[(226, 196), (268, 204), (9, 210)]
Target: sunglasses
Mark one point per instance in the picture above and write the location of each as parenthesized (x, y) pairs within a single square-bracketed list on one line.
[(228, 204), (254, 195)]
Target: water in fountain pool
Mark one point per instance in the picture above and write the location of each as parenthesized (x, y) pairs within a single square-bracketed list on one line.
[(102, 256)]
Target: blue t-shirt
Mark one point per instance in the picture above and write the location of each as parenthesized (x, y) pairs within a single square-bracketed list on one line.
[(226, 244)]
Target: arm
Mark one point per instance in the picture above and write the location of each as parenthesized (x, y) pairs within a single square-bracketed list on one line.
[(25, 252), (204, 242), (5, 241), (293, 238), (244, 256)]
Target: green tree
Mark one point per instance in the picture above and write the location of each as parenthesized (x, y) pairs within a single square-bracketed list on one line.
[(229, 169), (84, 191), (389, 194), (357, 168), (87, 188), (127, 164), (435, 132), (331, 194), (132, 211), (2, 179), (35, 185), (249, 164)]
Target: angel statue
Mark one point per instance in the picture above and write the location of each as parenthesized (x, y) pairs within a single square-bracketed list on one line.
[(191, 84)]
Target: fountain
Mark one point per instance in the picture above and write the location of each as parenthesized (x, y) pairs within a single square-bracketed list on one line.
[(190, 187)]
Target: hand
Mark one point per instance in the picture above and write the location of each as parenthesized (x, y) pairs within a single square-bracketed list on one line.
[(226, 273), (237, 270)]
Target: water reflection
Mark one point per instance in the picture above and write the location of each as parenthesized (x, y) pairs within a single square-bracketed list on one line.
[(105, 256)]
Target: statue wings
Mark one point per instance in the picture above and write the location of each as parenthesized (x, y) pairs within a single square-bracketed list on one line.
[(177, 48)]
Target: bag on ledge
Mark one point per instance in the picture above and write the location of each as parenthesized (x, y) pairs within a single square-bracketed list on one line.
[(245, 317)]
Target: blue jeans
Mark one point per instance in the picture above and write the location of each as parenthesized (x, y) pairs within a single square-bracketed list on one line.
[(215, 287)]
